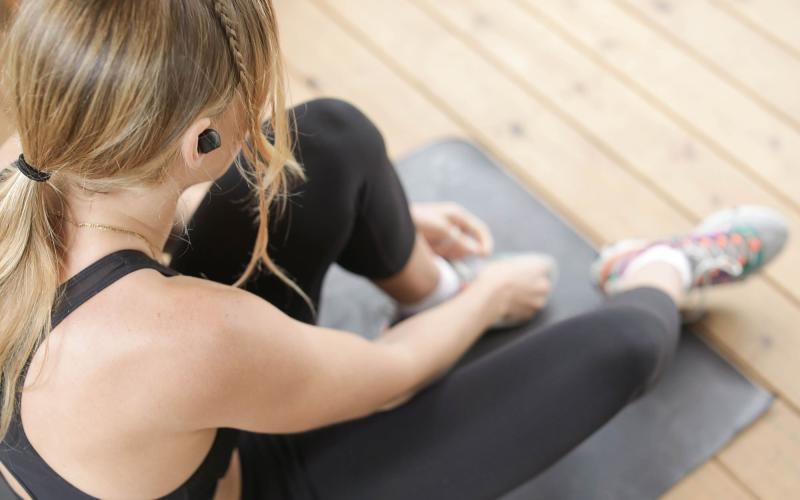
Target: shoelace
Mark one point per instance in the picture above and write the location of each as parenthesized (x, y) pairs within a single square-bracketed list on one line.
[(731, 252)]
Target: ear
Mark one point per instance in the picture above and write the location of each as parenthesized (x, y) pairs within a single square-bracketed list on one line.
[(191, 156)]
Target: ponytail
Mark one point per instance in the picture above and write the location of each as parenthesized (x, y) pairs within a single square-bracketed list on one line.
[(29, 276)]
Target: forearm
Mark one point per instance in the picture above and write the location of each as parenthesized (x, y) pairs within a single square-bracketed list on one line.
[(437, 338)]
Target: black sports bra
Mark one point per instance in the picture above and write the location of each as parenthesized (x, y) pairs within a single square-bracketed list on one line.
[(28, 467)]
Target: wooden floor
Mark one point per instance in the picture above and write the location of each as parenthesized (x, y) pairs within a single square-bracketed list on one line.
[(631, 117)]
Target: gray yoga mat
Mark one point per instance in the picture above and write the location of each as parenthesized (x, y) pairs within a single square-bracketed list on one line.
[(700, 403)]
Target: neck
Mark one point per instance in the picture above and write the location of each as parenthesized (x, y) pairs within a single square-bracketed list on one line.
[(150, 212)]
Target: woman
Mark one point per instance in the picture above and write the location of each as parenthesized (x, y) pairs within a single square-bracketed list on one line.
[(156, 381)]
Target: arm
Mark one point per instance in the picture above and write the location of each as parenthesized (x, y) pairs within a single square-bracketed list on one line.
[(265, 372)]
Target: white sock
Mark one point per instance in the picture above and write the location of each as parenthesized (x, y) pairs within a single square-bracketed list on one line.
[(449, 285), (664, 253)]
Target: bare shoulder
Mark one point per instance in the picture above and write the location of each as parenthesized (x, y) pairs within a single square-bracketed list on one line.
[(235, 360), (216, 312), (209, 299), (206, 335), (198, 303), (158, 340), (129, 364)]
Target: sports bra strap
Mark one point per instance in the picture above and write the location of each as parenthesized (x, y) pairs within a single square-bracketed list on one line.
[(89, 281), (21, 458)]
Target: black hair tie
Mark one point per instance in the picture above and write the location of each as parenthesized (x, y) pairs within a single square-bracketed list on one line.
[(30, 171)]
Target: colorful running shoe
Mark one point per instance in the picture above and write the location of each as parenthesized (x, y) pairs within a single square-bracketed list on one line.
[(727, 246)]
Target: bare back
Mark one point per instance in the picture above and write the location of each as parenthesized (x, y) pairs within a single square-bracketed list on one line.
[(100, 391)]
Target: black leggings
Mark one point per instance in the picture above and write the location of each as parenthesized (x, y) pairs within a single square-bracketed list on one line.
[(483, 429)]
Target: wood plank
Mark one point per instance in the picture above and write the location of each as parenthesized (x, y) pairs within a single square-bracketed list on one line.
[(321, 55), (567, 171), (710, 481), (653, 147), (765, 456), (458, 83), (683, 169), (715, 112), (775, 19), (757, 67), (678, 166), (298, 90), (424, 76)]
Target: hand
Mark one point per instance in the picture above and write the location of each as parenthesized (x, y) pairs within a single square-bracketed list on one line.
[(521, 285), (451, 230)]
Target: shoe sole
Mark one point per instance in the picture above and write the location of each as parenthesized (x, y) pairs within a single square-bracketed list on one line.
[(724, 219)]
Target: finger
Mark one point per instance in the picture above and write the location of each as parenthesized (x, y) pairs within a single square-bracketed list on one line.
[(521, 312), (435, 230), (543, 285), (463, 243), (457, 245), (448, 244), (527, 308), (446, 250), (537, 302), (475, 228)]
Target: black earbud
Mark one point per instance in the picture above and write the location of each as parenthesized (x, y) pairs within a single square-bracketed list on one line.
[(208, 141)]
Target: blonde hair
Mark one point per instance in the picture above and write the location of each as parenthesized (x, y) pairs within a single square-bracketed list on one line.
[(101, 93)]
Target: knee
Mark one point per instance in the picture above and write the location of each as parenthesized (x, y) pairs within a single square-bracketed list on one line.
[(640, 346), (338, 131), (335, 112)]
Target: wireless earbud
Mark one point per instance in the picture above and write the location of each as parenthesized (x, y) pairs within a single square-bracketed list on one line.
[(208, 141)]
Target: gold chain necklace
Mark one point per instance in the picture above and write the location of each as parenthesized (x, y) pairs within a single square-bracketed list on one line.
[(108, 227)]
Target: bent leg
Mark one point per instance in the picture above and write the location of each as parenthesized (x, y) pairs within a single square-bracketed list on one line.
[(352, 210), (492, 424)]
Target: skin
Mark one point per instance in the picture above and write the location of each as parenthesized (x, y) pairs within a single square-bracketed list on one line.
[(151, 366)]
